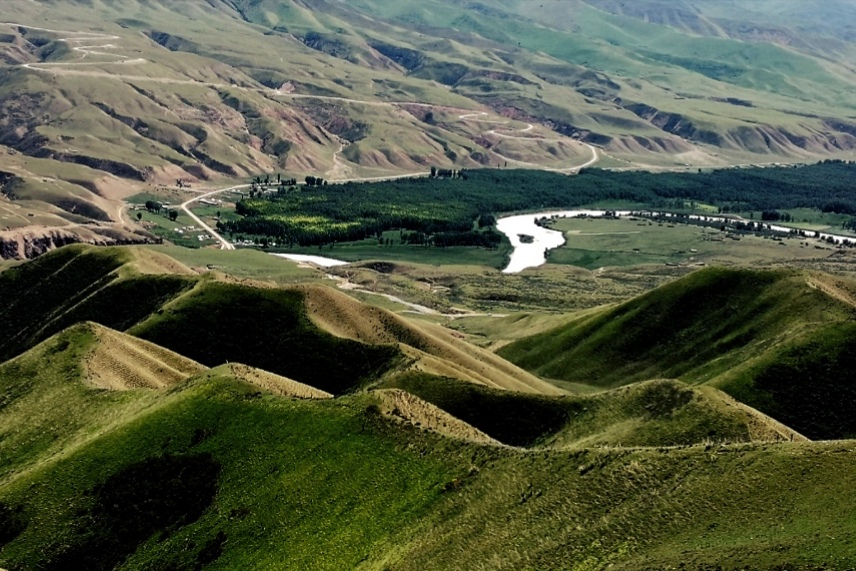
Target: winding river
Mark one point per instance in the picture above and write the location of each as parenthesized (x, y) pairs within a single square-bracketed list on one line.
[(533, 252), (316, 260)]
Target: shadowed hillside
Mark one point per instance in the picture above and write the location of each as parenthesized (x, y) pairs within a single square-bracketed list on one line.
[(313, 335), (213, 473), (267, 328), (431, 348), (773, 340), (656, 413), (76, 284)]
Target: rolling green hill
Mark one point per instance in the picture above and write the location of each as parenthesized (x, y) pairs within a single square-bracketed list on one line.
[(216, 474), (312, 335), (77, 284), (775, 340), (654, 413), (154, 449)]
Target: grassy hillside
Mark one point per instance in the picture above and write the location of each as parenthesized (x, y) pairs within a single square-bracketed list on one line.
[(656, 413), (764, 337), (221, 476), (313, 335), (77, 284), (179, 459), (430, 348), (101, 100), (266, 328)]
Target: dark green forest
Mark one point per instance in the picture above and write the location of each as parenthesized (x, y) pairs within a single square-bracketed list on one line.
[(447, 211)]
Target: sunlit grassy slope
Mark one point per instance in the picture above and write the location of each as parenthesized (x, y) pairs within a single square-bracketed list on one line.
[(312, 335), (654, 413), (223, 476), (772, 339)]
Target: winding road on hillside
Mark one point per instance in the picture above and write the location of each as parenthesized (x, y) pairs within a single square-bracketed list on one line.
[(81, 42), (84, 50), (89, 44), (479, 117)]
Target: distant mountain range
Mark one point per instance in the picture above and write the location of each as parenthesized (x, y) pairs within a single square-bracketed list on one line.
[(100, 99)]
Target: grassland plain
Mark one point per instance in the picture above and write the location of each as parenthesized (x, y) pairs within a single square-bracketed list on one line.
[(550, 289), (233, 477), (764, 337), (593, 244)]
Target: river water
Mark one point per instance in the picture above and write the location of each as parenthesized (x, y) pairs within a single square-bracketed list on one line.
[(317, 260), (532, 255)]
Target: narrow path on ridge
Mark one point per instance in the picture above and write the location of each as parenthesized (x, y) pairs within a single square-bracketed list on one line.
[(346, 284)]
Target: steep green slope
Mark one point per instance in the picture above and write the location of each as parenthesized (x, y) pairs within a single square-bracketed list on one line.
[(210, 322), (75, 284), (215, 475), (656, 413), (754, 334), (266, 328), (280, 480), (311, 335), (47, 410)]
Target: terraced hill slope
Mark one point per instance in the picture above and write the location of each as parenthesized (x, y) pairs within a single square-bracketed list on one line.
[(772, 339), (233, 478), (121, 362)]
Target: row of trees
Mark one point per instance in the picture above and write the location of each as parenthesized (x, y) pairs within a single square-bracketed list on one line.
[(448, 173), (353, 211), (315, 181), (157, 208), (776, 216)]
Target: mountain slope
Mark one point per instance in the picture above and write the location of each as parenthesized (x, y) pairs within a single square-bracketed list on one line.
[(769, 338), (76, 284), (121, 362), (313, 335), (654, 413), (234, 479), (431, 348), (100, 100)]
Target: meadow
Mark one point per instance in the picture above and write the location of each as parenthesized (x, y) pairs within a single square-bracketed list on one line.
[(232, 476), (450, 220), (597, 243)]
